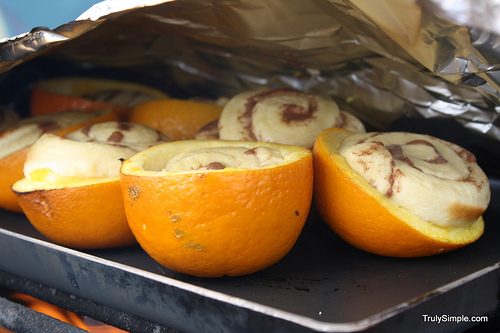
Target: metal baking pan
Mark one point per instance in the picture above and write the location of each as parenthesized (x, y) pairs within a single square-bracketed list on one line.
[(322, 285)]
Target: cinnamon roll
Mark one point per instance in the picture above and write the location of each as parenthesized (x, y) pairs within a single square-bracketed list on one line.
[(284, 116), (436, 180), (218, 158), (91, 152), (208, 132), (132, 135)]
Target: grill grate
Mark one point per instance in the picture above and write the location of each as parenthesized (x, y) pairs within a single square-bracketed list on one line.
[(20, 319)]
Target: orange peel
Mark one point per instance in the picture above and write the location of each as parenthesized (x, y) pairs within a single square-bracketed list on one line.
[(71, 188), (15, 140), (178, 119), (217, 220), (369, 220), (89, 94)]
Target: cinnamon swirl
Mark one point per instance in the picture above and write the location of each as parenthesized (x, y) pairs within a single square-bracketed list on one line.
[(284, 116), (436, 180)]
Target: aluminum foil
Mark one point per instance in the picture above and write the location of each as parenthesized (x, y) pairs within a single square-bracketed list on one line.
[(383, 60)]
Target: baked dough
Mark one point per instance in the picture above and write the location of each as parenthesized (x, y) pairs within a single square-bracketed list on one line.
[(92, 152), (26, 131), (436, 180), (133, 135), (218, 158), (284, 116)]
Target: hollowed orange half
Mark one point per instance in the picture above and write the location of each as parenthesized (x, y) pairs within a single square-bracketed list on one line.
[(86, 214), (89, 94), (367, 219), (11, 165), (178, 119), (222, 221)]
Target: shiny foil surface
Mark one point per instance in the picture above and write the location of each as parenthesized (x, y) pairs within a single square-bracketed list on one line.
[(393, 63)]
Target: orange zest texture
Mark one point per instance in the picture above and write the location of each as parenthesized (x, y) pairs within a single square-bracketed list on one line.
[(225, 221), (83, 216)]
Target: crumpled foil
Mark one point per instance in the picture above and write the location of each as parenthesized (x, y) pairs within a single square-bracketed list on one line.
[(422, 65)]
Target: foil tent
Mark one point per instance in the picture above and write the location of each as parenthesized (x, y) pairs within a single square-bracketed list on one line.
[(419, 65)]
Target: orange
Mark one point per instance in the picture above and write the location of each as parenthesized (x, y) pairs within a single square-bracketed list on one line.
[(178, 119), (86, 215), (367, 219), (89, 94), (11, 165), (11, 170), (221, 221), (71, 187)]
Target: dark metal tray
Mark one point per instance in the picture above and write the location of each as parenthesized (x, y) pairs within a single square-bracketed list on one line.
[(322, 285)]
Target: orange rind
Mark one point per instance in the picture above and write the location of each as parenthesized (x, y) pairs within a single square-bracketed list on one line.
[(71, 188), (89, 94), (67, 214), (178, 119), (15, 140), (197, 208), (370, 220)]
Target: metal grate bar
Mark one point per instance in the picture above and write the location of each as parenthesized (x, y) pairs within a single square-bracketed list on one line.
[(20, 319), (84, 307)]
